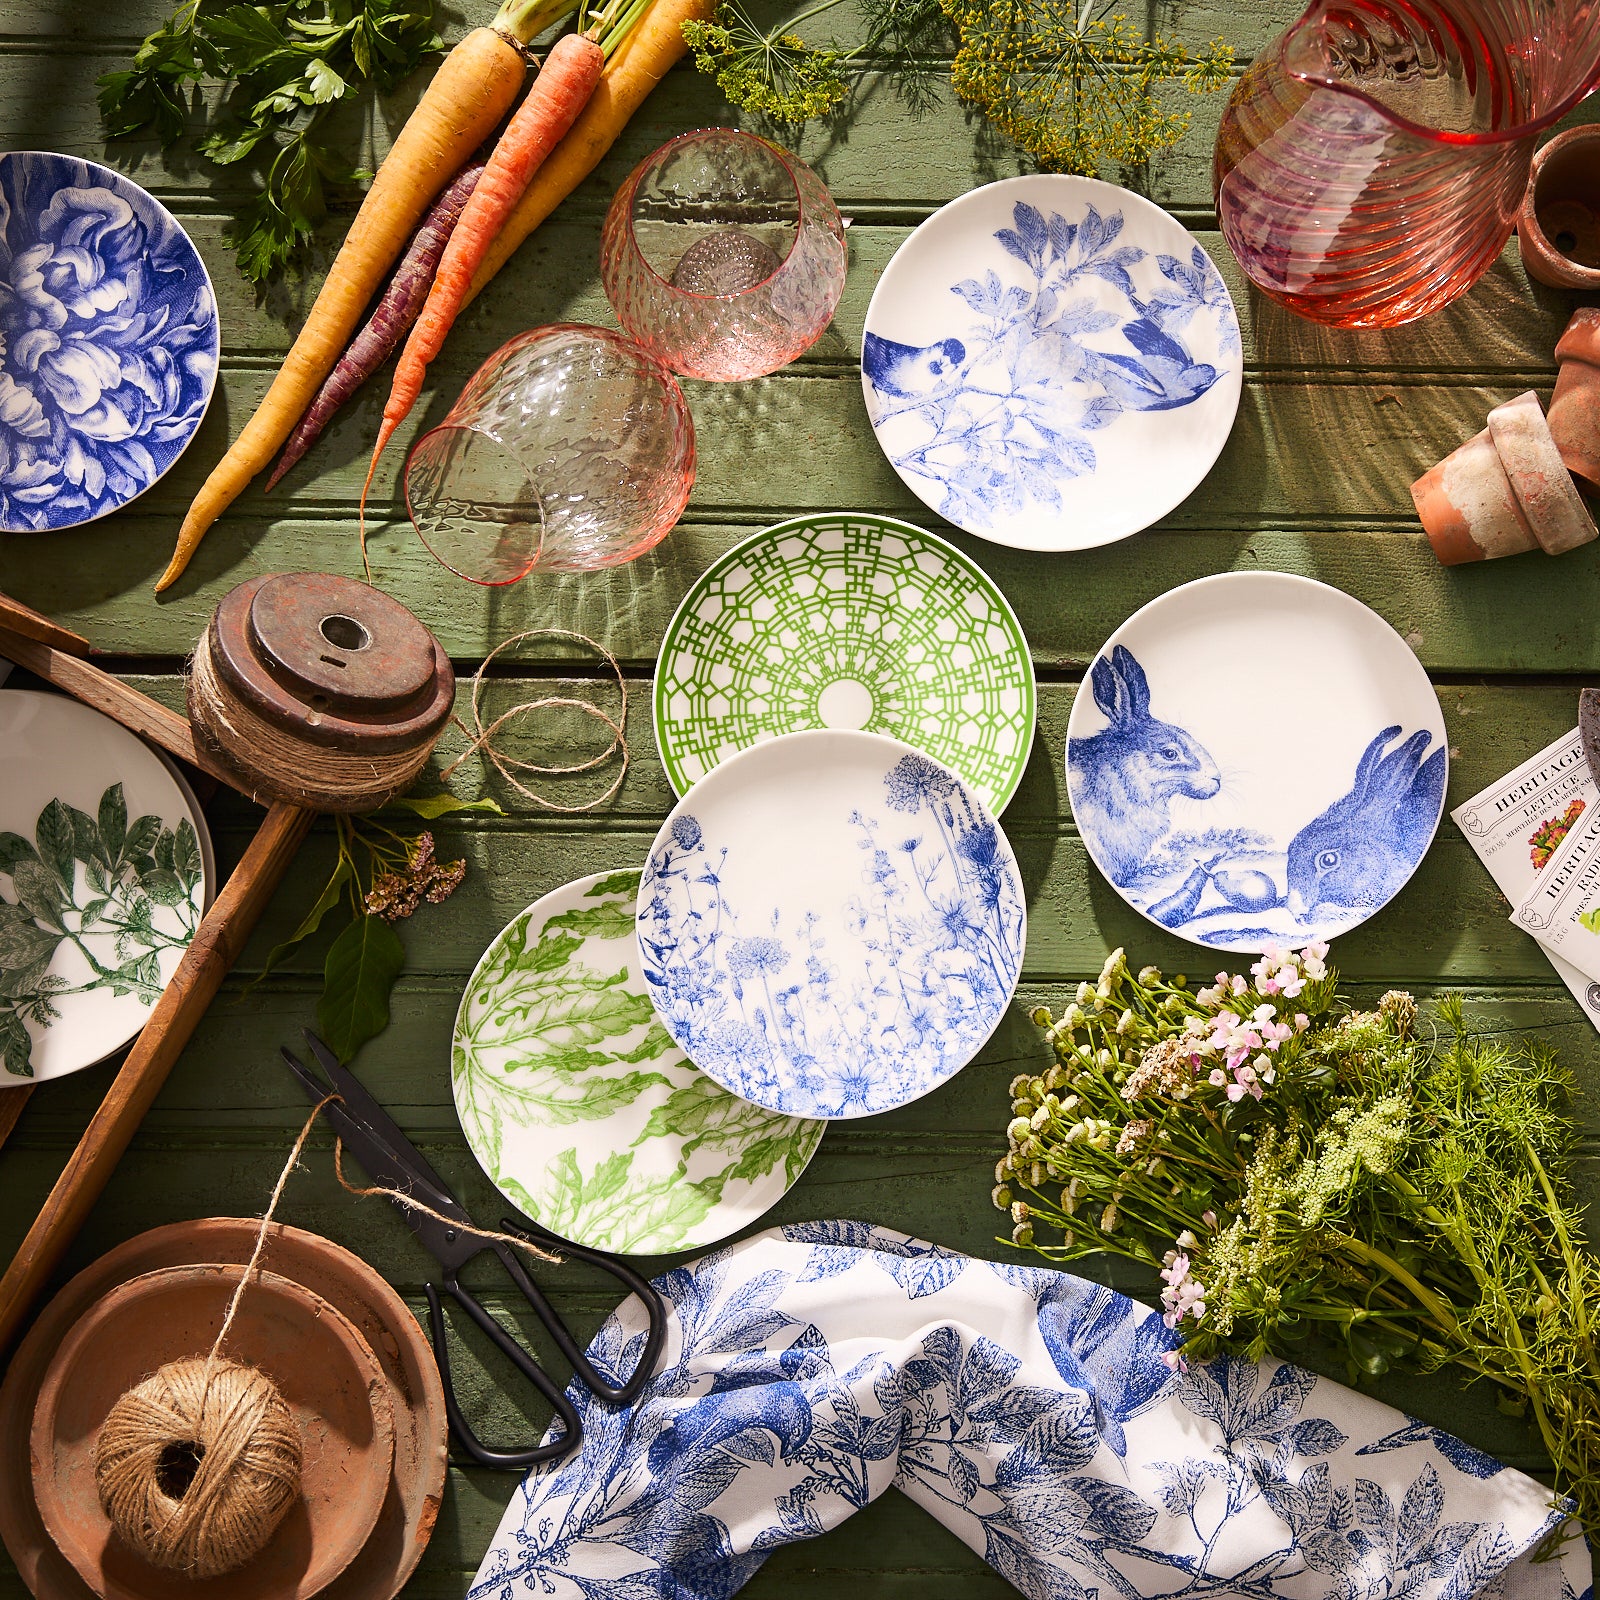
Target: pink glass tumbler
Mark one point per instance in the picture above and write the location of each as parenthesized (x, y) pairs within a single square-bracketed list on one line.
[(1371, 162), (723, 255), (570, 448)]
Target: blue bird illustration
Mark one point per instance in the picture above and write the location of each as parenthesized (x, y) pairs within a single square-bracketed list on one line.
[(907, 370), (1463, 1457), (1167, 377), (782, 1409), (1110, 1349)]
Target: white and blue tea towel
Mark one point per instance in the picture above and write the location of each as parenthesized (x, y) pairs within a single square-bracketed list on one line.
[(809, 1368)]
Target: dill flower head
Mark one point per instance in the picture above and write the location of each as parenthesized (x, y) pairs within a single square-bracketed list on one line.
[(776, 74), (1076, 90)]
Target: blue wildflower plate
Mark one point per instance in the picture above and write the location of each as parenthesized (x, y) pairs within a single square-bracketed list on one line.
[(110, 341), (1051, 362), (1256, 759), (830, 924)]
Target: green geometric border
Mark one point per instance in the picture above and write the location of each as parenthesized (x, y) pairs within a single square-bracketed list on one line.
[(961, 686)]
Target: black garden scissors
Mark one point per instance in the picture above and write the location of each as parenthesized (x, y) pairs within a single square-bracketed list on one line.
[(393, 1162)]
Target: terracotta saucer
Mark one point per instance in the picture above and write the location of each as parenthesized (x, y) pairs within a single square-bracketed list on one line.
[(406, 1521), (332, 1384)]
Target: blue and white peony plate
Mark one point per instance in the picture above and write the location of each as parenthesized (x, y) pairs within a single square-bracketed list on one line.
[(110, 341), (1051, 362), (830, 924), (1256, 759)]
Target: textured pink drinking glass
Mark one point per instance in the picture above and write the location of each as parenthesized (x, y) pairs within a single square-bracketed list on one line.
[(723, 255), (570, 448), (1371, 162)]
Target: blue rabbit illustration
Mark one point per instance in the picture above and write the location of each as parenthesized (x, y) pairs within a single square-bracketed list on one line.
[(1364, 846), (1125, 778), (907, 370)]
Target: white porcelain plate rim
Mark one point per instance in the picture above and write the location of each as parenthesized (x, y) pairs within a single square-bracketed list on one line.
[(1056, 535)]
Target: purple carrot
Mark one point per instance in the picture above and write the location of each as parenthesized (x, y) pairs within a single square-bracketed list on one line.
[(391, 319)]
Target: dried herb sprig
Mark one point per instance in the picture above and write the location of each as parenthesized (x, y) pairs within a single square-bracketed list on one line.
[(1298, 1171), (1075, 88), (382, 875), (775, 73)]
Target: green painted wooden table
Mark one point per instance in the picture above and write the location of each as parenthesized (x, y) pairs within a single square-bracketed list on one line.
[(1332, 429)]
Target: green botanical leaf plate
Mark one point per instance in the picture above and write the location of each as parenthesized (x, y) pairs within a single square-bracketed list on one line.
[(105, 872), (847, 620), (580, 1107)]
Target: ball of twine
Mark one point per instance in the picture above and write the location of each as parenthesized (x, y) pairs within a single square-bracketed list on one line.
[(197, 1465)]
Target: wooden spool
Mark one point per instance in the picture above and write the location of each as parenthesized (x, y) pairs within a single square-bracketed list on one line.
[(320, 691)]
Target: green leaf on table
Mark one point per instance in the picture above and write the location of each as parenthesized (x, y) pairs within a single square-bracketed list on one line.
[(358, 977), (323, 84), (113, 822), (53, 834), (16, 1048), (311, 921), (429, 806)]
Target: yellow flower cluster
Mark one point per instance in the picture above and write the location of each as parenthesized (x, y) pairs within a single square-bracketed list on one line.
[(1077, 91)]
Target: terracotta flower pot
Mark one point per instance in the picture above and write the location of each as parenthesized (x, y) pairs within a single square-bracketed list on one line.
[(1575, 406), (406, 1522), (330, 1379), (1505, 491), (1558, 228)]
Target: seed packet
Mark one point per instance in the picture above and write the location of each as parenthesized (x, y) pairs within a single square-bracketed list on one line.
[(1519, 824)]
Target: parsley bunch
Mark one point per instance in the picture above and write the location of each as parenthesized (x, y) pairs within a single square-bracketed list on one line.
[(1394, 1187), (280, 70)]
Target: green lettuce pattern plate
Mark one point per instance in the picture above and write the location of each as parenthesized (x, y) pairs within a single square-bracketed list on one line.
[(580, 1107), (847, 620)]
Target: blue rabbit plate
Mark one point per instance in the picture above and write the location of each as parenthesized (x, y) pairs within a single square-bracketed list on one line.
[(1051, 362), (1256, 759), (830, 924), (108, 341)]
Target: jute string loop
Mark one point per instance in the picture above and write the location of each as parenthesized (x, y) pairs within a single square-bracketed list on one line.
[(481, 736), (197, 1465)]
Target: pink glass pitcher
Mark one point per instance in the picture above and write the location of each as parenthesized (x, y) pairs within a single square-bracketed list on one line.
[(1370, 163)]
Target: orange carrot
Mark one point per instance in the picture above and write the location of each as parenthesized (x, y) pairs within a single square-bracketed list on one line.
[(559, 93), (643, 60), (472, 90)]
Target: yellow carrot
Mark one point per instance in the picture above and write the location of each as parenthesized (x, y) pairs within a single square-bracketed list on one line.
[(641, 62), (472, 90)]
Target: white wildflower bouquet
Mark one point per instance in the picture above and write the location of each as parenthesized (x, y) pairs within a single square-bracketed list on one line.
[(1297, 1171)]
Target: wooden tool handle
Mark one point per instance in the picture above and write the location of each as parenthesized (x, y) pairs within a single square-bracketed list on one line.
[(117, 699), (216, 946), (22, 619)]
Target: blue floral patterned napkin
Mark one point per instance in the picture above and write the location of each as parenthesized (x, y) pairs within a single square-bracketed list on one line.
[(1036, 1415)]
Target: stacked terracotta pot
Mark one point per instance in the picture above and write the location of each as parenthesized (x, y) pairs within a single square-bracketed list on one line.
[(1516, 486), (343, 1349)]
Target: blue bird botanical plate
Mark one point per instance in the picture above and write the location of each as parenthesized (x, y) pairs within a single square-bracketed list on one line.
[(1051, 362), (1256, 759), (830, 924), (110, 341)]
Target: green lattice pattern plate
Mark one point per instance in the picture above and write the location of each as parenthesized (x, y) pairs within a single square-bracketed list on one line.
[(580, 1107), (847, 620)]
